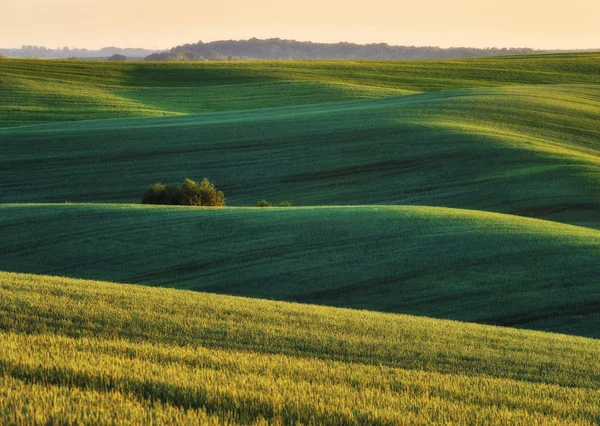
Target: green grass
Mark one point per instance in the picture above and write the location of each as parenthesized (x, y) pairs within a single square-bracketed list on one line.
[(444, 263), (78, 351), (45, 91), (371, 143), (527, 150)]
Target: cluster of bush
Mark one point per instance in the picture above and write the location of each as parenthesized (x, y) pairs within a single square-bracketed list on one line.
[(189, 193), (265, 203)]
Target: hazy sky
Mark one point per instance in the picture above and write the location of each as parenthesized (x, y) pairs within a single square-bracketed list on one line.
[(142, 23)]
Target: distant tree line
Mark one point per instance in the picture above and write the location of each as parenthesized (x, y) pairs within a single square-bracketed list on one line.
[(186, 55), (276, 48), (28, 51)]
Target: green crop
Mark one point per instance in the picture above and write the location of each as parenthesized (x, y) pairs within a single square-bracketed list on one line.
[(444, 263), (76, 351), (528, 150), (45, 91)]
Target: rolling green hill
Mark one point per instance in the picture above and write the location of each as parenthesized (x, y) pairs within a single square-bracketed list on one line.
[(444, 263), (45, 91), (527, 150), (77, 351), (403, 174)]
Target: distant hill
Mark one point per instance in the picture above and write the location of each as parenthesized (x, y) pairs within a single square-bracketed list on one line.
[(66, 52), (276, 48)]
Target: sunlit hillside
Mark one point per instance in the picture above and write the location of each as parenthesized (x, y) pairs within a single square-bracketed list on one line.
[(79, 351)]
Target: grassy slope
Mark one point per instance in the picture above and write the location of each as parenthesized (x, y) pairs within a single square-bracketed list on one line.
[(443, 263), (130, 354), (153, 355), (530, 150), (44, 91)]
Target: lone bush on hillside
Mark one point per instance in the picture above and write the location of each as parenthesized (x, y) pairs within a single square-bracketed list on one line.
[(189, 193), (285, 204)]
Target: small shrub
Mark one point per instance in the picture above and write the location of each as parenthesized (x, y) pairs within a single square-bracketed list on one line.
[(189, 193), (285, 204), (263, 203)]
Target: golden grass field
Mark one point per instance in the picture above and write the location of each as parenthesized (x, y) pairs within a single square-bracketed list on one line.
[(93, 352)]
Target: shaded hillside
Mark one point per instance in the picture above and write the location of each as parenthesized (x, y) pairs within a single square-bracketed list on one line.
[(443, 263)]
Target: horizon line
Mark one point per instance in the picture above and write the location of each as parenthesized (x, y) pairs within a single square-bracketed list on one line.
[(154, 49)]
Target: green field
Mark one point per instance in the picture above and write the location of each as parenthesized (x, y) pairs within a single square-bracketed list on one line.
[(444, 263), (529, 150), (48, 91), (174, 356), (464, 190)]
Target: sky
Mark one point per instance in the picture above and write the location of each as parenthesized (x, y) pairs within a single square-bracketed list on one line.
[(541, 24)]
